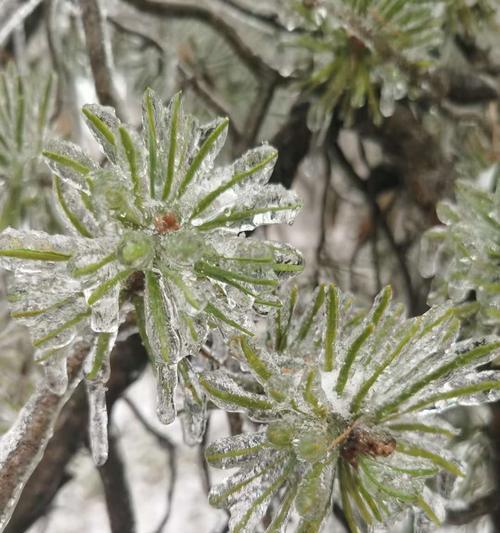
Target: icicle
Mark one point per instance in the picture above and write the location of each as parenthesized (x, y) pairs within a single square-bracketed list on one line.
[(56, 373), (194, 415), (166, 384), (98, 421), (97, 371)]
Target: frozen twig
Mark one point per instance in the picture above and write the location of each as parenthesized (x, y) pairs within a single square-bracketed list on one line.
[(116, 491), (127, 362), (22, 447), (15, 18), (211, 99), (205, 474), (205, 15), (476, 509), (99, 55), (169, 446), (259, 111), (380, 221), (269, 19), (320, 248)]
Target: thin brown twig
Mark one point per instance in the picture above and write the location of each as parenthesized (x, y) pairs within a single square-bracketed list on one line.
[(205, 15), (116, 490), (476, 509), (320, 248), (95, 36), (205, 474), (258, 112), (362, 185), (169, 446), (269, 19), (211, 99)]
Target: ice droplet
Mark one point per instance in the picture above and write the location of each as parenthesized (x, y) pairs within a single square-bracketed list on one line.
[(56, 373), (98, 421), (166, 384)]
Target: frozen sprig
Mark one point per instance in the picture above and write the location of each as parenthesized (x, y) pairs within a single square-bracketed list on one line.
[(159, 225), (367, 52), (351, 407), (463, 254), (24, 114)]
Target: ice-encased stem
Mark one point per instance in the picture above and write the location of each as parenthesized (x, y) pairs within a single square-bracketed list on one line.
[(22, 447), (166, 384), (98, 421), (56, 373)]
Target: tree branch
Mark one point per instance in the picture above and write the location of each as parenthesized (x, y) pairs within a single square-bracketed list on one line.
[(24, 444), (378, 216), (128, 360), (292, 142), (478, 508), (95, 37), (116, 491), (270, 19), (258, 113), (205, 15), (16, 17), (169, 446)]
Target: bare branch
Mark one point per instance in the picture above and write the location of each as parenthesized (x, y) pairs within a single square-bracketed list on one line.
[(169, 446), (212, 100), (205, 15), (270, 19), (320, 248), (292, 142), (95, 37), (23, 445), (258, 112), (128, 359), (116, 491), (378, 216), (478, 508), (15, 18)]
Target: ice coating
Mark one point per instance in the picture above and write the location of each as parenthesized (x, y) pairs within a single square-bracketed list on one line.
[(462, 255), (56, 373), (30, 434), (159, 220), (352, 407), (98, 420)]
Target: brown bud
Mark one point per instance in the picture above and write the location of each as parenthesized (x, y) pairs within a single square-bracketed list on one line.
[(166, 223)]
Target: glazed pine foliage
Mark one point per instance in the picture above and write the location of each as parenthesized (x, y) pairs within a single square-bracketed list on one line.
[(24, 112), (463, 254), (350, 405), (157, 224), (367, 51)]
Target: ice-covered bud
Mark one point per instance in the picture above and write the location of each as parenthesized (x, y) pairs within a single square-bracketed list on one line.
[(280, 433), (136, 250)]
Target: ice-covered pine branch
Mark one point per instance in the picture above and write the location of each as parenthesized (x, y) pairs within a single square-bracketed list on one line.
[(463, 253), (350, 410), (25, 108), (158, 229)]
